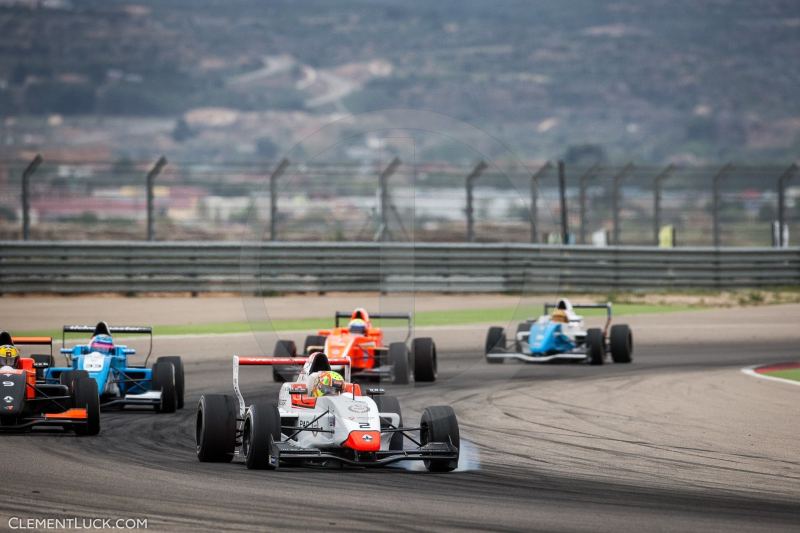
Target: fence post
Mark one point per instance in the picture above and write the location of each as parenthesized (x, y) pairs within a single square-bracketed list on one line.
[(535, 197), (657, 182), (715, 183), (475, 174), (583, 183), (562, 195), (383, 189), (26, 201), (151, 177), (615, 194), (787, 175), (273, 198)]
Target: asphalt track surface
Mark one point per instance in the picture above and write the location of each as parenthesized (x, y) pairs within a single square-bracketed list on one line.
[(679, 440)]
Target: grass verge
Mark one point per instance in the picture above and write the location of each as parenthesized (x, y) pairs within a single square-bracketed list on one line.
[(457, 317)]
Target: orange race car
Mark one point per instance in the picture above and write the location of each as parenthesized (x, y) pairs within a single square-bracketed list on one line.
[(364, 344), (28, 401)]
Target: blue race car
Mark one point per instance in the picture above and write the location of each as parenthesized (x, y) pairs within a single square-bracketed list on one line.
[(562, 336), (119, 382)]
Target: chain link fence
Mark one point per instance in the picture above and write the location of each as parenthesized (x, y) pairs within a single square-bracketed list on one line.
[(428, 202)]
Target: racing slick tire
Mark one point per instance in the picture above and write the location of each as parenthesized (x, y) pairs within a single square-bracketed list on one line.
[(179, 376), (495, 340), (439, 424), (423, 353), (164, 380), (284, 348), (69, 377), (621, 343), (595, 346), (313, 340), (398, 356), (390, 404), (85, 396), (261, 424), (521, 327), (215, 428)]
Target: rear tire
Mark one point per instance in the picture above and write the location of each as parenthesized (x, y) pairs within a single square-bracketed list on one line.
[(398, 356), (595, 346), (495, 340), (85, 396), (261, 422), (390, 404), (215, 428), (179, 376), (621, 341), (423, 351), (439, 424), (284, 348), (164, 380), (313, 340)]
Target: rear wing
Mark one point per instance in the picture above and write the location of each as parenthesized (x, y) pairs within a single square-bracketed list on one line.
[(606, 306), (34, 341), (277, 361), (130, 330), (381, 316)]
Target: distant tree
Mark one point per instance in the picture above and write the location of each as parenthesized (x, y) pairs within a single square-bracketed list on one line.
[(61, 98), (19, 74), (585, 154), (266, 148), (182, 132)]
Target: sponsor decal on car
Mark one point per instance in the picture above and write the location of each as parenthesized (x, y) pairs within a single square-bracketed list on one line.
[(8, 384), (8, 399), (358, 407)]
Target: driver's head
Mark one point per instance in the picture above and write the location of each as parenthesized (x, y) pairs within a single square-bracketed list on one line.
[(357, 326), (9, 355), (559, 315), (327, 382), (103, 344)]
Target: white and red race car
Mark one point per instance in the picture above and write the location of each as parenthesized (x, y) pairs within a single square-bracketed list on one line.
[(345, 427)]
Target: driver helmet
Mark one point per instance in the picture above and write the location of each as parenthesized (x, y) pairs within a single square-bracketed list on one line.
[(327, 382), (559, 315), (103, 344), (9, 355), (357, 326)]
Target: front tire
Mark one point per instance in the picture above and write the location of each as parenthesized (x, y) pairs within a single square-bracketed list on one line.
[(164, 380), (69, 377), (390, 404), (85, 396), (423, 351), (215, 428), (439, 424), (313, 340), (180, 386), (262, 426), (398, 356), (495, 340), (621, 341), (595, 346)]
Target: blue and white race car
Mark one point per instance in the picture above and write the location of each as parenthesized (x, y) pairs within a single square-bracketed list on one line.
[(119, 382), (560, 335)]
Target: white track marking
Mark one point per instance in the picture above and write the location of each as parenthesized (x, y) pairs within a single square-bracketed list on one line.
[(750, 371)]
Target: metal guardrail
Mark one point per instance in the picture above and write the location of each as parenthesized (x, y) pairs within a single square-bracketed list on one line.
[(63, 267)]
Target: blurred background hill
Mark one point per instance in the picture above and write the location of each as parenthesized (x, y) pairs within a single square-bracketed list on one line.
[(652, 80)]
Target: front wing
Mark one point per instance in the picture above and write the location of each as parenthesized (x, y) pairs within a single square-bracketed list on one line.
[(529, 358)]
